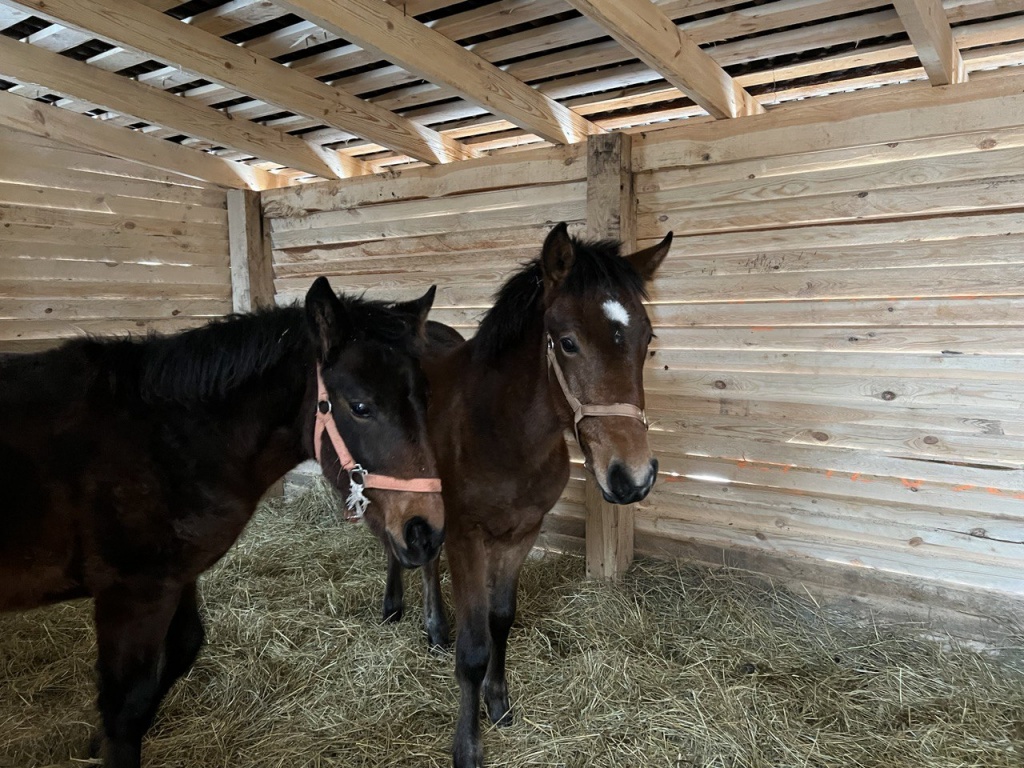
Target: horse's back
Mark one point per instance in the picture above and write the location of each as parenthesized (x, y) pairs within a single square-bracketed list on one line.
[(442, 339)]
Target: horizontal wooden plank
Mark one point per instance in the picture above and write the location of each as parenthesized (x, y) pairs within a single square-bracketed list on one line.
[(451, 246), (346, 261), (82, 220), (29, 330), (952, 339), (964, 311), (557, 165), (845, 165), (114, 205), (812, 363), (933, 229), (205, 248), (100, 309), (549, 213), (909, 283), (891, 526), (997, 450), (36, 259), (966, 252), (957, 494), (989, 165), (915, 111), (878, 389), (64, 289), (493, 200), (902, 562), (676, 408), (923, 200)]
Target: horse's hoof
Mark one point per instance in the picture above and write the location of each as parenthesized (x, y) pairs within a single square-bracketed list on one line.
[(468, 757), (393, 616), (499, 709), (439, 640), (96, 745)]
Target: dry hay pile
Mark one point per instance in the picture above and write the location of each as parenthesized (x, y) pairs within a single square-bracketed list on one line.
[(675, 667)]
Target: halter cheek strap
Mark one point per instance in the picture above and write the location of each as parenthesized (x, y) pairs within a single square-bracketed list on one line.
[(582, 410), (359, 478)]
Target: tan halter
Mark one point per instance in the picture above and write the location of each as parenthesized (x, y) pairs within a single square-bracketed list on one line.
[(359, 478), (582, 410)]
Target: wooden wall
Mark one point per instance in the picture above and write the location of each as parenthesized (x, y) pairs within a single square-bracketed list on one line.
[(91, 244), (837, 391), (837, 384), (465, 227)]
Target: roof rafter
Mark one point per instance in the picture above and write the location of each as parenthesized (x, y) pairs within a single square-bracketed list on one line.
[(120, 94), (403, 40), (132, 25), (929, 31), (39, 119), (645, 31)]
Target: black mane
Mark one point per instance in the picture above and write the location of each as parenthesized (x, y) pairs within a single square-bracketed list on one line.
[(597, 265), (208, 363)]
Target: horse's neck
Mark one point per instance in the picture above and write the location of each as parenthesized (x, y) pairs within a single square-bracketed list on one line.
[(525, 390), (270, 434)]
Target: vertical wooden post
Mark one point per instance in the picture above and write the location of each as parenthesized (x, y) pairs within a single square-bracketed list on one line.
[(252, 268), (611, 213), (252, 271)]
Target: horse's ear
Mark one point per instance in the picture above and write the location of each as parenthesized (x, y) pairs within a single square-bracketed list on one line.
[(418, 309), (647, 261), (326, 317), (556, 257)]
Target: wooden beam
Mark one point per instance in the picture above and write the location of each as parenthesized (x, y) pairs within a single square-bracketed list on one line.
[(611, 214), (132, 25), (403, 40), (64, 75), (646, 32), (252, 272), (932, 36), (39, 119)]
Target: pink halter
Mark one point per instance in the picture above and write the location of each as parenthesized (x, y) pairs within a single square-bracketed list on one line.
[(359, 478), (581, 410)]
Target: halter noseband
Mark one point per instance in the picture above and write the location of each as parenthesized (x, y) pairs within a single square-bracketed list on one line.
[(359, 478), (582, 410)]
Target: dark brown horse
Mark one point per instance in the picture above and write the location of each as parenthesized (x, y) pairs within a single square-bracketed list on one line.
[(562, 347), (130, 466)]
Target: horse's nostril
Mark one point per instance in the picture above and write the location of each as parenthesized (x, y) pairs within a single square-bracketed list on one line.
[(417, 535)]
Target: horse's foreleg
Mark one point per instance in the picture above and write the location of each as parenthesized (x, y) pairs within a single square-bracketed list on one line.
[(185, 637), (469, 583), (434, 617), (504, 581), (394, 589), (130, 631), (502, 614)]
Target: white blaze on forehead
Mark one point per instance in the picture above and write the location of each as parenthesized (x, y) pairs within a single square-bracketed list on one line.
[(615, 312)]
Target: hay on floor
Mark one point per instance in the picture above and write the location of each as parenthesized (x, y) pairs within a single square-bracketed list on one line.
[(675, 666)]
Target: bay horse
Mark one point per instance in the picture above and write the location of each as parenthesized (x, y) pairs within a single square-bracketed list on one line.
[(563, 344), (130, 466)]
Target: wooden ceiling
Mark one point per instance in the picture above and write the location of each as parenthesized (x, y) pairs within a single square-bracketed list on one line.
[(263, 93)]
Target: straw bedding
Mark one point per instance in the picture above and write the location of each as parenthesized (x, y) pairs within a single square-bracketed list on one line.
[(677, 666)]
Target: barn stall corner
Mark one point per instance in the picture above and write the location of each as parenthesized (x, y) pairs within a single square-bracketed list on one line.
[(834, 391)]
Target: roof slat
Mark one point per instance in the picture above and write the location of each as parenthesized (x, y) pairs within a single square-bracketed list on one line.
[(404, 40), (64, 75), (132, 25), (932, 36)]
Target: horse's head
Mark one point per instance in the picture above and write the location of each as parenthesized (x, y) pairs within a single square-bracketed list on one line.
[(374, 394), (598, 333)]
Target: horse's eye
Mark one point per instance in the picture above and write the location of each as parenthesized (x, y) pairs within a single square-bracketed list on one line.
[(568, 345), (362, 410)]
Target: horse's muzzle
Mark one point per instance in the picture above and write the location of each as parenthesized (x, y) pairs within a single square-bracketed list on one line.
[(623, 488), (422, 543)]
